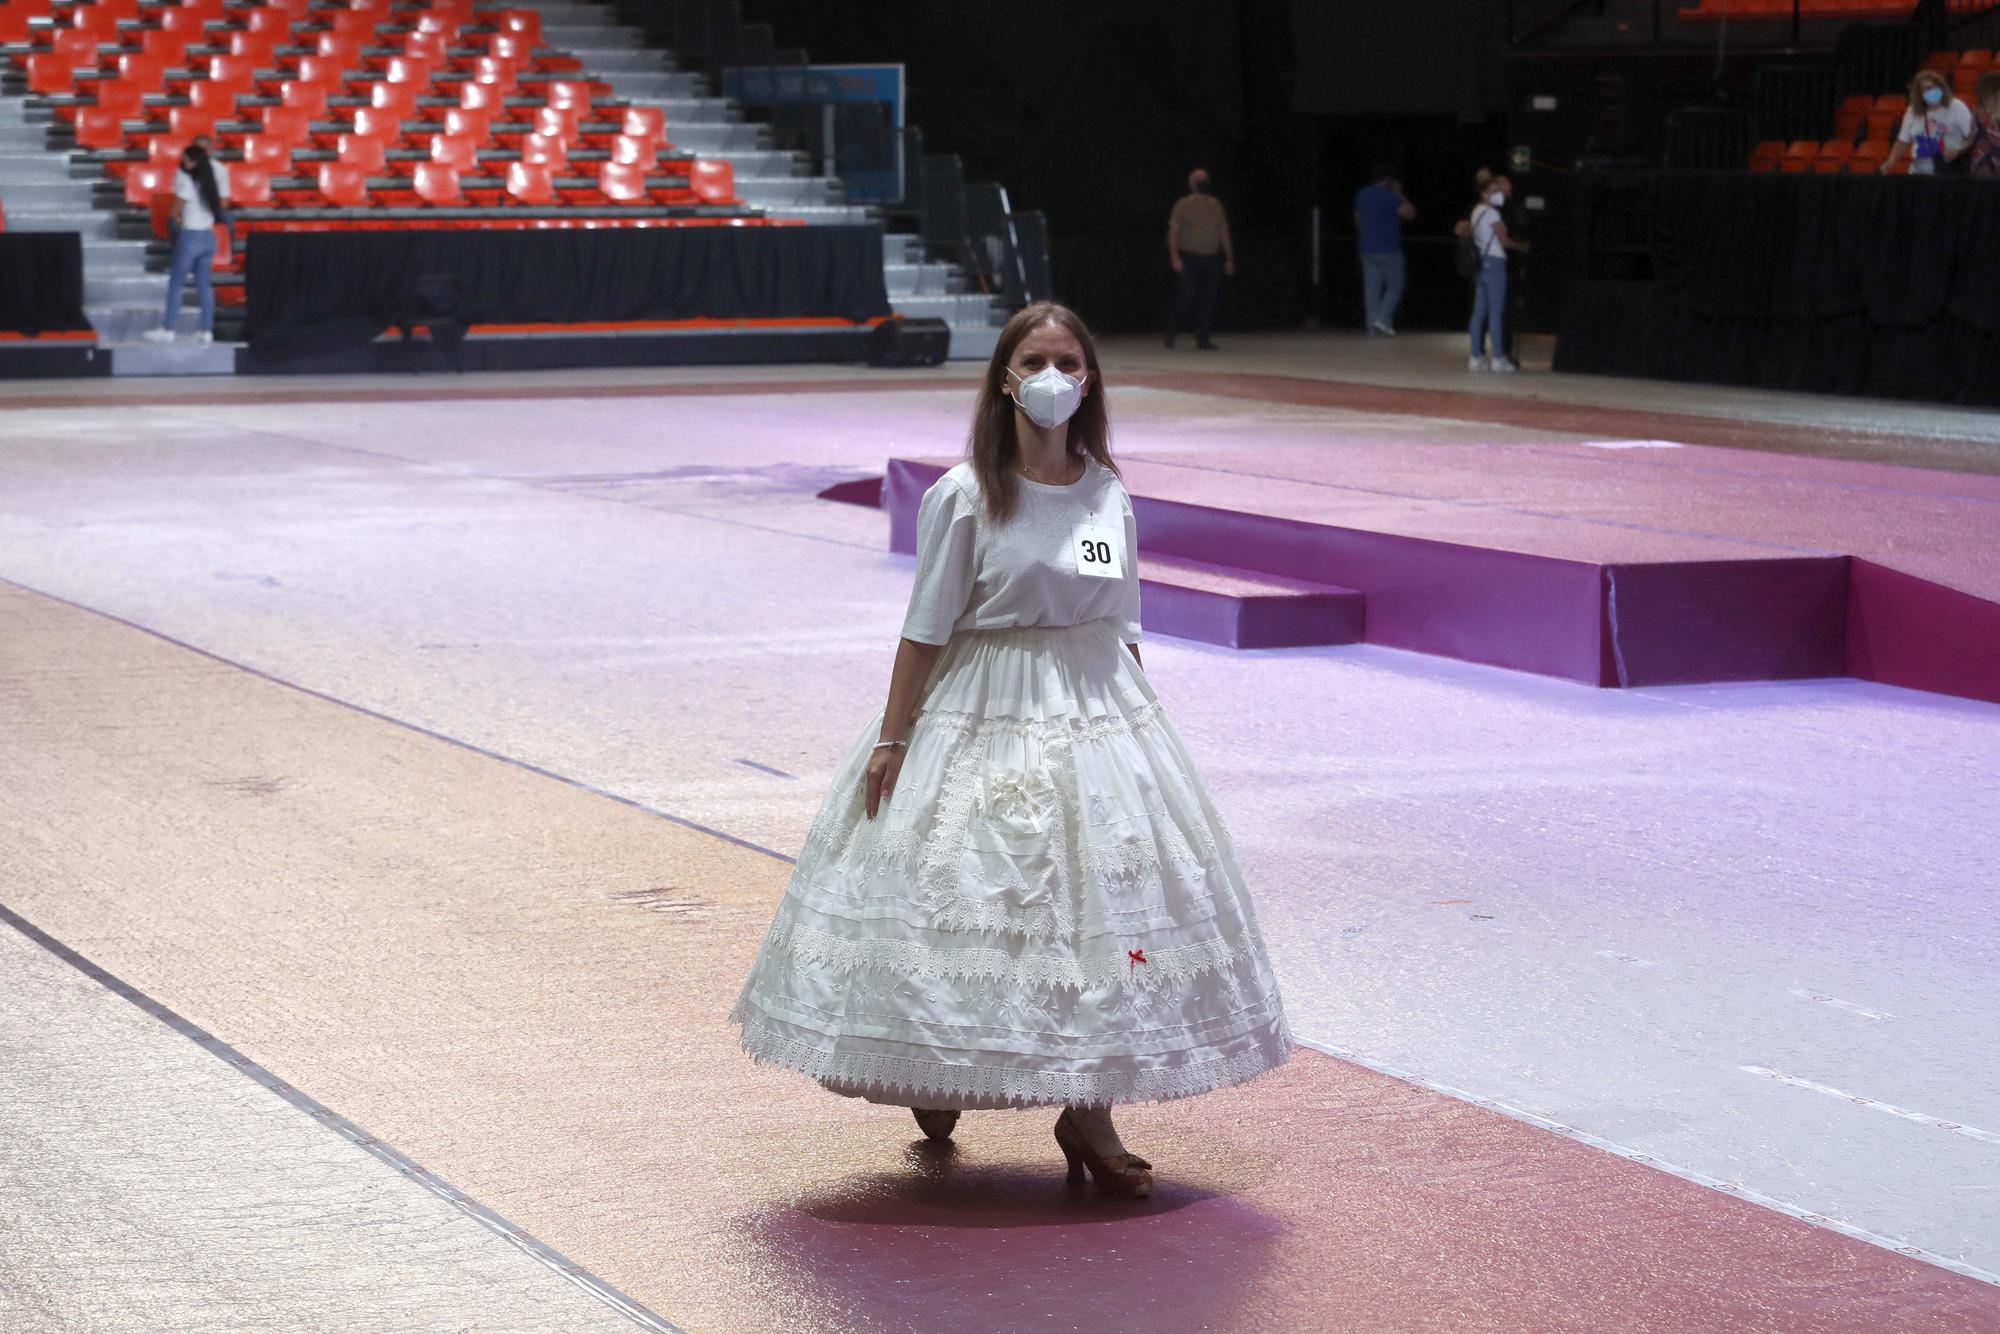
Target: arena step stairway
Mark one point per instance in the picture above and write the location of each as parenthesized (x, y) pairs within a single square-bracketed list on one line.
[(767, 178)]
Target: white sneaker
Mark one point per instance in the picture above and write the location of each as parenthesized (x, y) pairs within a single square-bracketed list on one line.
[(1475, 363), (158, 335), (1502, 366), (204, 338), (1385, 330)]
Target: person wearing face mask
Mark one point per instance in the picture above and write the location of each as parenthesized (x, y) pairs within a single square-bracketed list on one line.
[(1198, 250), (1018, 892), (1935, 129), (1491, 243)]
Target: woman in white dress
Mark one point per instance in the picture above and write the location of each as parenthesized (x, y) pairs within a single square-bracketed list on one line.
[(1018, 891)]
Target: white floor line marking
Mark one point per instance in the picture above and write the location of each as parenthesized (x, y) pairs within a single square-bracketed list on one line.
[(1732, 1188), (1921, 1118), (1839, 1004)]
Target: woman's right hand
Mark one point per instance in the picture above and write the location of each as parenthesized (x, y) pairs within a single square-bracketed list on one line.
[(883, 767)]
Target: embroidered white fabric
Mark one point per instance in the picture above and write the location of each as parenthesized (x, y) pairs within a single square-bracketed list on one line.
[(1046, 909)]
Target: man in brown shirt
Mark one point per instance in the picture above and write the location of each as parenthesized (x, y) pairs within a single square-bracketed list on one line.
[(1198, 248)]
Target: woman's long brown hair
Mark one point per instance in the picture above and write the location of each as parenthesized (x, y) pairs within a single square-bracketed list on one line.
[(992, 447)]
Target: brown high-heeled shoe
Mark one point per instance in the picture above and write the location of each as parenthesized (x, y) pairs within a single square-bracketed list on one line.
[(937, 1125), (1125, 1175)]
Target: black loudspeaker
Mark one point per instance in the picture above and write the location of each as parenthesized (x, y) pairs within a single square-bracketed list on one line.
[(909, 343)]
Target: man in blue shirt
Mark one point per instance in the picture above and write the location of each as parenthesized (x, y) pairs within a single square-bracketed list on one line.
[(1380, 210)]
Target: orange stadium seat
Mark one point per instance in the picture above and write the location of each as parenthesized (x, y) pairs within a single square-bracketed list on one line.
[(1833, 156)]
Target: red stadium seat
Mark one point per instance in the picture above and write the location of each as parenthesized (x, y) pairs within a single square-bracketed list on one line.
[(236, 72), (560, 122), (99, 128), (622, 182), (712, 182), (266, 19), (569, 93), (309, 98), (144, 181), (324, 71), (497, 74), (213, 98), (98, 23), (164, 45), (289, 124), (376, 123), (249, 187), (530, 183), (405, 69), (366, 151), (429, 47), (400, 98), (142, 71), (547, 150), (343, 184), (525, 23), (645, 123), (460, 154), (190, 122), (509, 47), (49, 73), (1833, 156), (359, 24), (164, 150), (343, 50), (482, 97), (438, 184), (432, 23), (188, 23), (476, 126), (126, 99), (268, 152), (78, 48), (642, 152)]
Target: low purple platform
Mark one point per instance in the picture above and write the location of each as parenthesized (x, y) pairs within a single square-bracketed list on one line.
[(1714, 608)]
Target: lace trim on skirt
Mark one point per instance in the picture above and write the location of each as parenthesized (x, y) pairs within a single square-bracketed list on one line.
[(928, 1083)]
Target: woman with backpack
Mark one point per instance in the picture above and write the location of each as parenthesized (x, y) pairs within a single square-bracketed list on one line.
[(1483, 244), (200, 188)]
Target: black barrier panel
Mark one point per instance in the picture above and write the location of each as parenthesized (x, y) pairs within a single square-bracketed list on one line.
[(315, 292), (41, 283), (1831, 284)]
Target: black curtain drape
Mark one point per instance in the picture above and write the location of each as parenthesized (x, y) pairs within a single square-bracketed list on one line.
[(314, 292), (1885, 286), (41, 283)]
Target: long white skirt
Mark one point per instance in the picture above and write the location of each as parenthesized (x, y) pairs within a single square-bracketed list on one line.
[(1047, 910)]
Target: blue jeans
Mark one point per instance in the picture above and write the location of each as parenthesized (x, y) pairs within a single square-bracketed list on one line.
[(1489, 299), (194, 254), (1381, 287)]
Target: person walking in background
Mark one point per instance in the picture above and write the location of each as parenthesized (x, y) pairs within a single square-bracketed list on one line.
[(1198, 248), (1490, 243), (200, 187), (1380, 210), (1935, 128)]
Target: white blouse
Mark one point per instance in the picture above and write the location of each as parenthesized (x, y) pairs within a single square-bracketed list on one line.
[(975, 575)]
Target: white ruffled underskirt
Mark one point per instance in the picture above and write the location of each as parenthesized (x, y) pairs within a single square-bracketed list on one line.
[(1047, 909)]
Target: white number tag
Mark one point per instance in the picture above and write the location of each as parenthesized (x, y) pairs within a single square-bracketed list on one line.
[(1097, 551)]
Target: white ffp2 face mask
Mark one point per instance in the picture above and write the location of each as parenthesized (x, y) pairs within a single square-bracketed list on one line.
[(1049, 397)]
